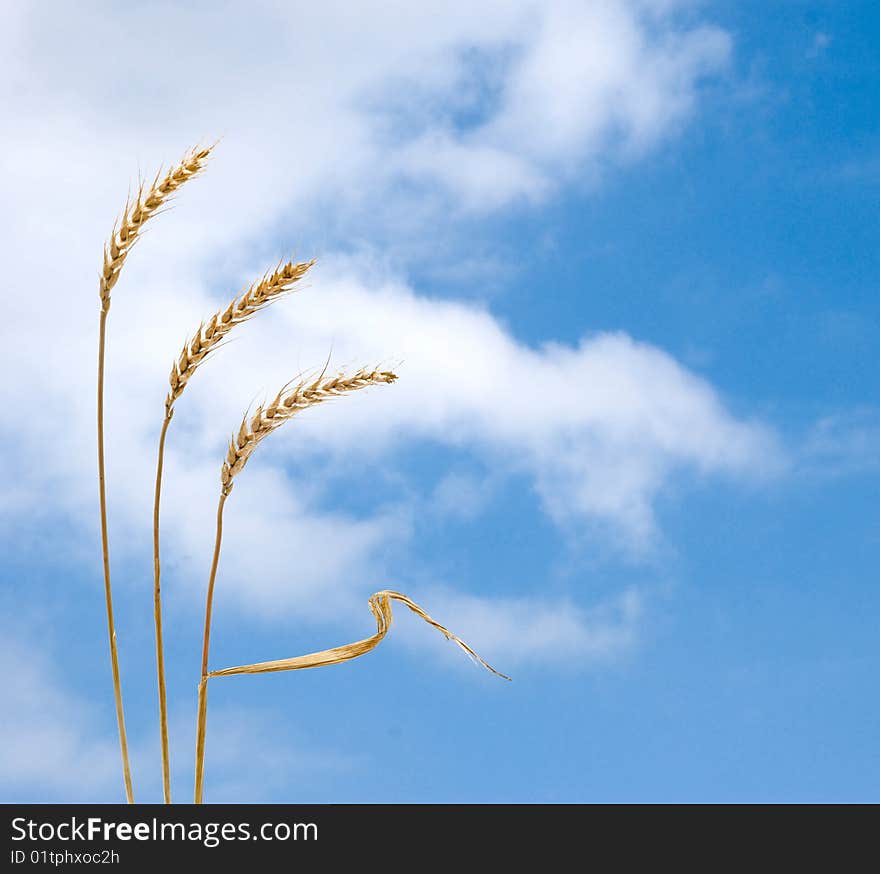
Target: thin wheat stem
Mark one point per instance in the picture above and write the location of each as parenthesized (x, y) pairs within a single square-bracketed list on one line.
[(157, 616), (111, 628), (149, 200), (270, 287), (202, 722)]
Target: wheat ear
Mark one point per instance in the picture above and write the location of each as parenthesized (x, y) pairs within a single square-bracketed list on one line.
[(254, 429), (148, 201), (140, 209), (270, 287), (273, 285)]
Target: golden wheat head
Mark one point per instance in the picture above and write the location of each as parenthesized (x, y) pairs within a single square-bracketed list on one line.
[(286, 404), (138, 210), (268, 288)]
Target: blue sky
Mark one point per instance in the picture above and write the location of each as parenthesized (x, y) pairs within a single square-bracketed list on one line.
[(626, 264)]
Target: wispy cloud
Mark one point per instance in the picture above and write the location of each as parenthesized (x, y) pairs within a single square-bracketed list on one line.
[(843, 444), (313, 114), (254, 754), (48, 742), (599, 427), (400, 133), (519, 632)]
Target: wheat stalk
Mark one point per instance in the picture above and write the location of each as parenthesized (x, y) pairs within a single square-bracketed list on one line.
[(254, 429), (270, 287), (148, 201)]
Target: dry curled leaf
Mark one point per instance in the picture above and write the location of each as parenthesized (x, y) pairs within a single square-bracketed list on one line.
[(380, 606)]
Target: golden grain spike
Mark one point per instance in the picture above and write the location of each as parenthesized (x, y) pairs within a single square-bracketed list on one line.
[(146, 204), (270, 287), (264, 420)]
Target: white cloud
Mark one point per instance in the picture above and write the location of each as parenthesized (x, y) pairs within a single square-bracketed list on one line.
[(843, 444), (257, 755), (48, 742), (54, 746), (460, 496), (324, 127), (332, 105), (600, 427), (513, 633), (593, 74)]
